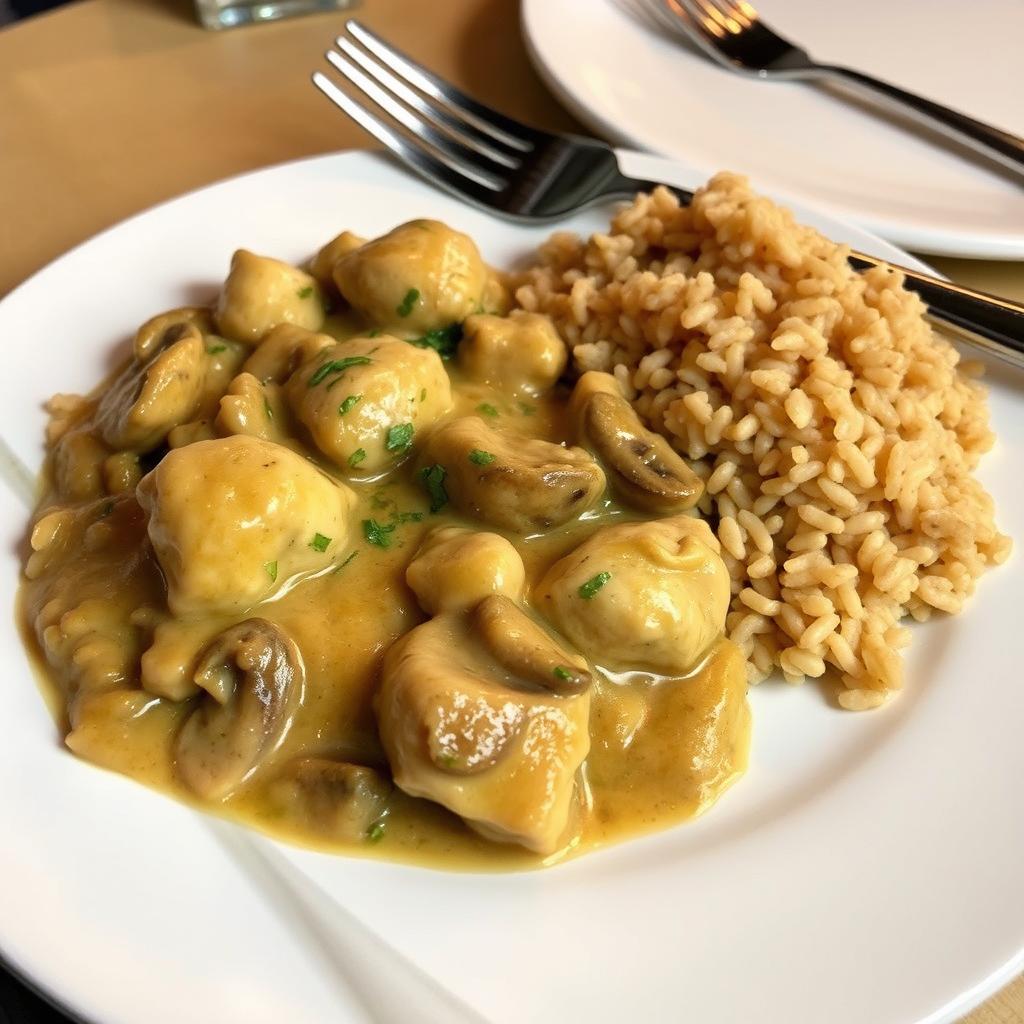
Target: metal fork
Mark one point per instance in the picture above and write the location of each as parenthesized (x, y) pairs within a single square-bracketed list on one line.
[(732, 33), (525, 174)]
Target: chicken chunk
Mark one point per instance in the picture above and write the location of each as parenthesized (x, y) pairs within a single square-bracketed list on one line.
[(420, 277), (261, 293), (366, 401), (234, 519), (520, 353), (454, 569), (648, 597), (460, 729)]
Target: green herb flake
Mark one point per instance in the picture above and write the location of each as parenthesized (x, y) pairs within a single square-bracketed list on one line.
[(215, 349), (423, 395), (526, 409), (432, 478), (479, 458), (589, 589), (348, 403), (347, 560), (487, 409), (375, 833), (443, 340), (404, 308), (267, 408), (374, 333), (399, 437), (336, 366), (561, 672), (304, 293), (378, 533), (319, 542), (409, 517), (356, 457), (271, 568)]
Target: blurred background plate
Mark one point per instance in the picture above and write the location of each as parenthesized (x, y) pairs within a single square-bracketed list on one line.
[(636, 84)]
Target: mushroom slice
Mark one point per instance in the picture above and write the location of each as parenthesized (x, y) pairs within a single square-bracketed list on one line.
[(333, 798), (254, 679), (165, 329), (150, 398), (460, 729), (520, 484), (645, 469), (526, 650)]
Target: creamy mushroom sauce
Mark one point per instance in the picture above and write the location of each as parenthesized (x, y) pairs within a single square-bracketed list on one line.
[(152, 606)]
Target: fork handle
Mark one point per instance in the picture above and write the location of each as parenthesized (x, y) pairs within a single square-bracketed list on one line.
[(1002, 147), (988, 322)]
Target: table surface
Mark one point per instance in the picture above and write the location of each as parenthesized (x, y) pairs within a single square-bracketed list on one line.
[(110, 106)]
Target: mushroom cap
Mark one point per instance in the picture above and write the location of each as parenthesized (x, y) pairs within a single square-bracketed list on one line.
[(254, 680), (150, 398), (521, 485), (644, 469)]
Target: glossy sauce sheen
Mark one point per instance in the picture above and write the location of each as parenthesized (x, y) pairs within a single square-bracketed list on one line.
[(661, 749)]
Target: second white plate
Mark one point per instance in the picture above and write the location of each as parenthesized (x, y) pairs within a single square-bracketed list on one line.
[(637, 85)]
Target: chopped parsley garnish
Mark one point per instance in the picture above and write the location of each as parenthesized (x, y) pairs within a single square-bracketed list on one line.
[(423, 395), (378, 533), (487, 409), (269, 411), (443, 340), (526, 409), (593, 585), (404, 308), (336, 366), (356, 457), (373, 333), (214, 349), (375, 833), (399, 437), (348, 403), (304, 293), (319, 542), (408, 517), (479, 458), (271, 568), (561, 672), (432, 478)]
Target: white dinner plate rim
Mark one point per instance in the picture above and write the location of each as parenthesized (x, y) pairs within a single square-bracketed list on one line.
[(48, 982)]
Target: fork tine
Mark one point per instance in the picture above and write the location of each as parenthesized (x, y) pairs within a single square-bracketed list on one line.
[(735, 19), (697, 19), (473, 165), (464, 132), (434, 169), (487, 119)]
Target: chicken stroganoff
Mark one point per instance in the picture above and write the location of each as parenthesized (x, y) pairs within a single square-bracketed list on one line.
[(349, 558)]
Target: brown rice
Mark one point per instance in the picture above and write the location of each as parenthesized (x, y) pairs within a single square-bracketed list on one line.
[(836, 432)]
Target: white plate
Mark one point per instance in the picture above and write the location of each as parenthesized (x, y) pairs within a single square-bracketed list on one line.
[(866, 870), (641, 87)]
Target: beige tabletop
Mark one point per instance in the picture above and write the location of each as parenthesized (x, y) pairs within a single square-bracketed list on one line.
[(110, 106)]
